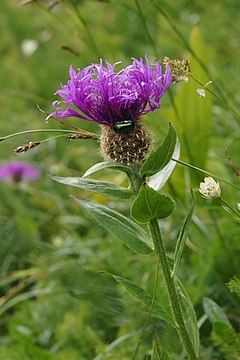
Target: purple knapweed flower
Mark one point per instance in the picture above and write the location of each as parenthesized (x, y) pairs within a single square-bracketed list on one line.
[(17, 171), (98, 93)]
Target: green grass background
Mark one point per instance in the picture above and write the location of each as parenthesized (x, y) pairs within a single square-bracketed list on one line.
[(54, 304)]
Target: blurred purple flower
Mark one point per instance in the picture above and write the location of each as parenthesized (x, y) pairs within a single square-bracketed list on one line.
[(18, 171), (97, 93)]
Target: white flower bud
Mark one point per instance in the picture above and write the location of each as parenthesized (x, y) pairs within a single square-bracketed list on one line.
[(201, 92), (210, 189), (238, 206)]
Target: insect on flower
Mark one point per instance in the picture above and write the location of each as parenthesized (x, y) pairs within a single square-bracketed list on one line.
[(123, 126)]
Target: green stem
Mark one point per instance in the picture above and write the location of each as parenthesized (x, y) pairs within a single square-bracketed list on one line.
[(148, 35), (229, 207), (134, 178), (205, 172), (85, 27), (35, 132), (172, 292)]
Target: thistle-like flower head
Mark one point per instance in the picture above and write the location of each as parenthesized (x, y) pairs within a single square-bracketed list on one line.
[(17, 171), (98, 93)]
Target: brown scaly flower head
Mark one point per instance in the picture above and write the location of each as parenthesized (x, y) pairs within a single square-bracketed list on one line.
[(115, 100)]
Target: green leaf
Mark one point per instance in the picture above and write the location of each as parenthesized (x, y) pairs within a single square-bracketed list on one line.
[(158, 352), (225, 337), (131, 234), (183, 236), (107, 165), (189, 314), (99, 187), (234, 285), (149, 204), (193, 118), (214, 312), (159, 158), (140, 294), (158, 180)]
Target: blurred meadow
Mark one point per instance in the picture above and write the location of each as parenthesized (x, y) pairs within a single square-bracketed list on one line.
[(54, 303)]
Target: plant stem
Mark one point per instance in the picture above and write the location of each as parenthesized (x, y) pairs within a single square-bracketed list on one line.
[(229, 207), (134, 178), (205, 172), (172, 292)]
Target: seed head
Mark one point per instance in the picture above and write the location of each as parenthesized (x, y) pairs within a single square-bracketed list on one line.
[(26, 147)]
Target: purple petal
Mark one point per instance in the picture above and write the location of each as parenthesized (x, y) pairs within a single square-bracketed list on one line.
[(98, 93), (19, 170)]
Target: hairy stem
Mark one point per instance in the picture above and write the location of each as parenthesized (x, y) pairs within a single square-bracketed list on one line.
[(172, 292), (134, 178)]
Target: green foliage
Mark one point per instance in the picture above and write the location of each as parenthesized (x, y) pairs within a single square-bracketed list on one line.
[(159, 158), (227, 340), (192, 114), (158, 180), (234, 285), (189, 315), (214, 312), (143, 297), (107, 165), (223, 334), (28, 352), (182, 237), (53, 304), (158, 352), (123, 228), (149, 204), (99, 187)]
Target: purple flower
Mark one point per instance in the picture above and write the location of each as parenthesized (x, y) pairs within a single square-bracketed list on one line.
[(18, 171), (98, 93)]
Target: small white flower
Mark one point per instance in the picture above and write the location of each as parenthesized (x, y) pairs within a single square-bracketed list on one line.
[(29, 46), (210, 189), (201, 92), (238, 206)]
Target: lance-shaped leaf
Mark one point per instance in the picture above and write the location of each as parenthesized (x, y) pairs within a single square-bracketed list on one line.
[(107, 165), (140, 294), (158, 353), (159, 158), (189, 314), (227, 339), (100, 187), (183, 236), (149, 204), (158, 180), (130, 233)]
